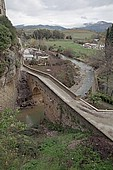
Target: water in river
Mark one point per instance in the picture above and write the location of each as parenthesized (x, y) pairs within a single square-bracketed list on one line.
[(32, 116)]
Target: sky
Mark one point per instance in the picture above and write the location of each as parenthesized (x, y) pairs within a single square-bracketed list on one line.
[(67, 13)]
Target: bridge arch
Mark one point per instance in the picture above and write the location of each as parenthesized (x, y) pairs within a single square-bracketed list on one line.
[(37, 95)]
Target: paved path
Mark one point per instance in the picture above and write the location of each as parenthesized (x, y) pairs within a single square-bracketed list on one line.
[(102, 120)]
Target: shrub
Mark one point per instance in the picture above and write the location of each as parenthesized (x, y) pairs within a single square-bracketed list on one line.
[(100, 96), (68, 53), (5, 38)]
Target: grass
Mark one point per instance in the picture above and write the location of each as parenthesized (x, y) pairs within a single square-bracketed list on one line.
[(50, 147), (80, 34), (55, 154), (75, 33), (78, 50)]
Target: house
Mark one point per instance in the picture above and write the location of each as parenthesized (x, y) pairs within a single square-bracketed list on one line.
[(27, 55), (93, 46), (90, 45)]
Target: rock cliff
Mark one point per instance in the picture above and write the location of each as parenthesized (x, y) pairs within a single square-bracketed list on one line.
[(10, 60)]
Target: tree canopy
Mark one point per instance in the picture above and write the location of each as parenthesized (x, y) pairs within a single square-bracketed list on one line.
[(7, 23), (44, 33), (109, 37), (5, 38)]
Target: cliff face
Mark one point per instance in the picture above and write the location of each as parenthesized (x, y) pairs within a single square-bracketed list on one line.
[(9, 79), (24, 98)]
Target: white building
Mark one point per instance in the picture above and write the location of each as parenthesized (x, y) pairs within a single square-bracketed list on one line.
[(27, 55)]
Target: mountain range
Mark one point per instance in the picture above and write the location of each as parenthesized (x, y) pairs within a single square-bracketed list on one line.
[(49, 27), (99, 26)]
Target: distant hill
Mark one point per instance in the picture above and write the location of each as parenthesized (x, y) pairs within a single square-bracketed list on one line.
[(50, 27), (100, 26)]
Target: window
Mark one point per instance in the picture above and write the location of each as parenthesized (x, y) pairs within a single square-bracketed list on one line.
[(0, 11)]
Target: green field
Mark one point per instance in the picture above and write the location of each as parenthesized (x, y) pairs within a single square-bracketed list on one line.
[(78, 50), (75, 33), (80, 34)]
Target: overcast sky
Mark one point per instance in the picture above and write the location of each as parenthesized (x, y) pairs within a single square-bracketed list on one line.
[(66, 13)]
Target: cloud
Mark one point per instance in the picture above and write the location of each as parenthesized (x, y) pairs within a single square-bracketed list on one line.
[(83, 17), (28, 7), (64, 4), (57, 12), (99, 3)]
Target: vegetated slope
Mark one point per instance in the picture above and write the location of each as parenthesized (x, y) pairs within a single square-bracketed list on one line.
[(50, 146), (8, 45)]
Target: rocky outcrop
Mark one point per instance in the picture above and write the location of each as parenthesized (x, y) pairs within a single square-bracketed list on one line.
[(9, 78), (24, 98)]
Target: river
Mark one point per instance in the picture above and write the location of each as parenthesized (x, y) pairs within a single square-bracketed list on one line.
[(32, 116), (87, 74)]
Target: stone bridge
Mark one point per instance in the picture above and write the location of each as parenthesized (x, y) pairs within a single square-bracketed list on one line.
[(64, 107)]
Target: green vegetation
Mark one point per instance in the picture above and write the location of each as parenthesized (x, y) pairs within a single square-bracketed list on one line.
[(106, 64), (5, 38), (15, 147), (101, 96), (8, 41), (61, 41), (80, 34), (57, 149), (75, 33), (7, 23), (95, 98), (47, 34), (109, 37), (76, 49)]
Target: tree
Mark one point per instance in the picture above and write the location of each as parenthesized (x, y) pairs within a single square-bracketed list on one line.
[(45, 33), (7, 23), (109, 53), (69, 37), (33, 43), (5, 38)]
